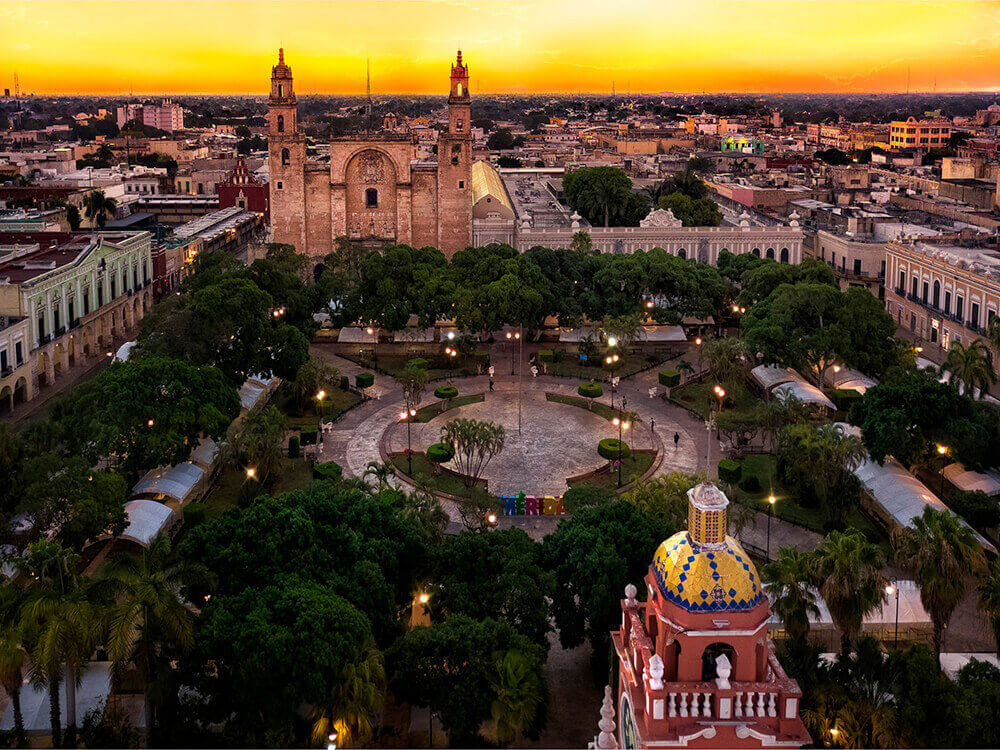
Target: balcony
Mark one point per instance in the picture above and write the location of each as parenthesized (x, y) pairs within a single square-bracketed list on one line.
[(60, 331), (44, 339), (74, 323)]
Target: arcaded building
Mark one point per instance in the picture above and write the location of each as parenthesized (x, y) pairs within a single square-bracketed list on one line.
[(373, 189)]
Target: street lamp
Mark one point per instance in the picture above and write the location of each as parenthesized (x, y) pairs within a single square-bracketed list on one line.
[(621, 424), (721, 393), (491, 519), (424, 597), (251, 472), (319, 402), (371, 332), (331, 741), (771, 500), (407, 416), (890, 590), (149, 423), (942, 451)]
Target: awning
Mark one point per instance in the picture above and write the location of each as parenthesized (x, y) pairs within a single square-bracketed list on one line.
[(91, 694), (661, 334), (768, 376), (972, 481), (176, 482), (146, 519), (805, 392), (356, 335)]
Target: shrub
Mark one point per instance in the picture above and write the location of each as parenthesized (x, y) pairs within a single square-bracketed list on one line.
[(194, 514), (419, 362), (345, 382), (445, 391), (293, 447), (750, 483), (590, 390), (978, 508), (364, 380), (844, 398), (576, 499), (328, 470), (546, 355), (669, 378), (730, 471), (612, 449), (309, 434), (440, 453)]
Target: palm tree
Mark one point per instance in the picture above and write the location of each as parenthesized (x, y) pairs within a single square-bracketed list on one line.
[(971, 366), (989, 598), (380, 472), (98, 207), (518, 694), (993, 332), (788, 583), (853, 586), (257, 441), (356, 701), (311, 378), (146, 611), (13, 654), (940, 550), (475, 444), (63, 622)]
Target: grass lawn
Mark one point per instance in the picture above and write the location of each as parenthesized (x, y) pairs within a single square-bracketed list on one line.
[(630, 363), (787, 507), (599, 408), (335, 403), (427, 413), (699, 397), (294, 474), (440, 481), (635, 465)]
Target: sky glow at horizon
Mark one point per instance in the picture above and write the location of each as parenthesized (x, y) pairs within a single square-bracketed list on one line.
[(224, 47)]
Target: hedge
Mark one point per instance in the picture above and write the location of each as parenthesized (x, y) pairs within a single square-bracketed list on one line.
[(669, 378), (309, 434), (293, 447), (364, 380), (345, 382), (730, 471), (445, 391), (328, 470), (546, 355), (612, 449), (590, 390), (419, 362), (440, 453)]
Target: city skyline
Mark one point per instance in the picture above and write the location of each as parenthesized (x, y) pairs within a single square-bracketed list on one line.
[(59, 48)]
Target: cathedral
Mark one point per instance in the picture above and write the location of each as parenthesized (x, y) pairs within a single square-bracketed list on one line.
[(373, 189)]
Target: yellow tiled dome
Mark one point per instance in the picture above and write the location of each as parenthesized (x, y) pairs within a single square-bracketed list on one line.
[(706, 578)]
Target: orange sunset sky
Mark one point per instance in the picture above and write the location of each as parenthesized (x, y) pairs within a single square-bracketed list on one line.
[(556, 46)]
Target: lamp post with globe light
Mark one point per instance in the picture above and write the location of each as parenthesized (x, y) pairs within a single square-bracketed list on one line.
[(890, 590), (771, 500), (621, 424), (371, 332), (720, 392)]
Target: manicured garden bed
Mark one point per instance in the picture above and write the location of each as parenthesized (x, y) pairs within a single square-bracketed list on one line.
[(427, 413), (599, 408), (606, 477), (439, 368), (439, 480), (700, 398)]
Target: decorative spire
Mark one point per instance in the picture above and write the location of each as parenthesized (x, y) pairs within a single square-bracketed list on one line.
[(459, 59), (281, 55), (606, 740)]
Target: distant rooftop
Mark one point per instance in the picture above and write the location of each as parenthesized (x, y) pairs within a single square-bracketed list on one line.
[(212, 225)]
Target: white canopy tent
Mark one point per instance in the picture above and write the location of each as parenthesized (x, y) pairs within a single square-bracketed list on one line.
[(848, 379), (769, 376), (146, 519), (124, 350), (661, 334), (176, 482), (911, 611), (250, 394), (204, 453), (356, 335), (972, 481), (91, 694), (805, 392)]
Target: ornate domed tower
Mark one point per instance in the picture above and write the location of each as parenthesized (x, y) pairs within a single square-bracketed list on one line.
[(697, 668)]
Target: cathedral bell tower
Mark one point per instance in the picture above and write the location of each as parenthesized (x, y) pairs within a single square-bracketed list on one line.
[(455, 166), (286, 149)]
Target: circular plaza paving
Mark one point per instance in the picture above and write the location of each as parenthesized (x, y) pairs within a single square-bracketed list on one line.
[(555, 441)]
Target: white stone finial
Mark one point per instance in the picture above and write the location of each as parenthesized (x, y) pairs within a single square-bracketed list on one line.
[(722, 671), (630, 592), (606, 740), (656, 672)]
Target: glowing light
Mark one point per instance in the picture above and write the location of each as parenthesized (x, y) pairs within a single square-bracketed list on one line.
[(612, 341), (942, 450), (772, 499), (402, 415), (451, 335), (697, 341), (890, 590), (149, 423), (615, 421), (423, 598), (321, 395), (370, 331), (251, 473)]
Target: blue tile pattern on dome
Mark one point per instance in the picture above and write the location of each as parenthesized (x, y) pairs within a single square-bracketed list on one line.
[(699, 579)]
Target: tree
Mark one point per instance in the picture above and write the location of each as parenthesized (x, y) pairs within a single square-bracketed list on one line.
[(148, 412), (98, 207), (63, 625), (989, 598), (601, 194), (475, 444), (833, 156), (273, 649), (993, 332), (788, 582), (412, 380), (692, 212), (73, 217), (663, 498), (729, 361), (940, 551), (314, 376), (258, 442), (852, 583), (498, 575), (13, 657), (500, 140), (594, 555), (582, 243), (146, 613), (908, 417), (971, 366), (355, 701), (452, 667), (519, 690)]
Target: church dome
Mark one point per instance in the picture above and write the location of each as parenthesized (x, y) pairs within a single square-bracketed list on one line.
[(704, 569)]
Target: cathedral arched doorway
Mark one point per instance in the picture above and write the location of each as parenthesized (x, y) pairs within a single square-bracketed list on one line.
[(371, 178), (318, 271)]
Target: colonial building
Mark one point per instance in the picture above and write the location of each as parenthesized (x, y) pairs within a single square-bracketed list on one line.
[(697, 668), (81, 293), (16, 383), (241, 188), (374, 189)]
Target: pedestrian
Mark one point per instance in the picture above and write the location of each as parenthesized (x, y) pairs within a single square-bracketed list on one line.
[(677, 439), (652, 425), (491, 383)]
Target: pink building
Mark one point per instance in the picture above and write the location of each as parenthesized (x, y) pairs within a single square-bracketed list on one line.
[(168, 116)]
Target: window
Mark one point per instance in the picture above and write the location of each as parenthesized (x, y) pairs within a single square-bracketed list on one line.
[(281, 123), (947, 302), (3, 360), (902, 281), (959, 306), (371, 198), (279, 186), (784, 255), (937, 293), (461, 184), (924, 292), (458, 124), (857, 266), (18, 354), (456, 151), (974, 314), (279, 90), (913, 287), (458, 89), (285, 156), (86, 301)]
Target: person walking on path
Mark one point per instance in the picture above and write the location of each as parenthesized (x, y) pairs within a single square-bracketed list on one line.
[(491, 383), (677, 439)]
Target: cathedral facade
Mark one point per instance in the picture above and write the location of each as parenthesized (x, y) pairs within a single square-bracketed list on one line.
[(373, 188)]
